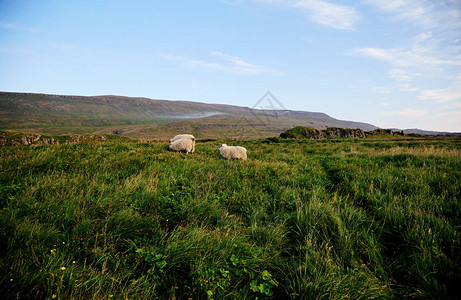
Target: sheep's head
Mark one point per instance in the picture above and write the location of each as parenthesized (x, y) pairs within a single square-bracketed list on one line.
[(222, 145)]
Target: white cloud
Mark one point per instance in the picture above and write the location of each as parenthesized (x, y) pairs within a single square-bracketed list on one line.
[(407, 112), (450, 114), (445, 121), (411, 58), (402, 75), (387, 5), (442, 95), (450, 121), (322, 12), (408, 88), (424, 36), (440, 15), (241, 65), (196, 63), (452, 93), (224, 63), (434, 51), (329, 14)]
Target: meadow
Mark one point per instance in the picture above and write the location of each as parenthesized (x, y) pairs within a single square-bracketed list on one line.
[(330, 219)]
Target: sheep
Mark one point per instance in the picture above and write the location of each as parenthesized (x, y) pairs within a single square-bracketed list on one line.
[(183, 136), (183, 145), (233, 152)]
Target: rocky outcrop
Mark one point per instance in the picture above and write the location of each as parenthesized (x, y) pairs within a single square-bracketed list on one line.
[(49, 141), (301, 132), (379, 131), (385, 132), (76, 139), (30, 139), (15, 139), (345, 132)]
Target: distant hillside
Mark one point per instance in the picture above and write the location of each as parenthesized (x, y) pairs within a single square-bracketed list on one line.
[(426, 132), (145, 118)]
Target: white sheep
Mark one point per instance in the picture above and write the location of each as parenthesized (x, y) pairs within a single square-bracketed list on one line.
[(183, 136), (233, 152), (183, 145)]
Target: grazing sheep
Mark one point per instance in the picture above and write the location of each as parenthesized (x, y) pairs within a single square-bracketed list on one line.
[(233, 152), (183, 136), (183, 145)]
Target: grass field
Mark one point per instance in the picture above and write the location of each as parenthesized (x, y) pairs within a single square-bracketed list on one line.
[(331, 219)]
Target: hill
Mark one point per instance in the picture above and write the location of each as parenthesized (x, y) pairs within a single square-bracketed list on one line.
[(427, 132), (145, 118)]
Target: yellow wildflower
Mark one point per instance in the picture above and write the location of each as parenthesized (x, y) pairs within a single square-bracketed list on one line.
[(63, 268)]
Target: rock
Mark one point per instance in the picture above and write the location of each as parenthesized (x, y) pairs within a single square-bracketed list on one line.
[(29, 140), (48, 141), (39, 140), (345, 132), (381, 131), (73, 140), (301, 132)]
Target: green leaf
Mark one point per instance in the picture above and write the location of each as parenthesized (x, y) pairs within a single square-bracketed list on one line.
[(158, 256), (224, 272), (234, 259), (161, 264), (254, 286), (266, 275), (274, 282)]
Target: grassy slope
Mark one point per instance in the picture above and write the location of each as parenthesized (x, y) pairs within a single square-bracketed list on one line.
[(314, 219), (144, 118), (228, 126)]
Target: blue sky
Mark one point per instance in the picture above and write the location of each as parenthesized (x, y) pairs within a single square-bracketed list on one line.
[(392, 63)]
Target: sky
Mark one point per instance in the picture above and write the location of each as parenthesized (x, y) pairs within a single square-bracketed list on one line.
[(391, 63)]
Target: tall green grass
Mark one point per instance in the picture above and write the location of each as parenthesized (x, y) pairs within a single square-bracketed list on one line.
[(335, 219)]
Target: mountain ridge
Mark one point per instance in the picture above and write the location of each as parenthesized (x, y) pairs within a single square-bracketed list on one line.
[(146, 118)]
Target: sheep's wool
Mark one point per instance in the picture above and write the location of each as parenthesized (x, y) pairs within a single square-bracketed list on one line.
[(233, 152), (183, 145)]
